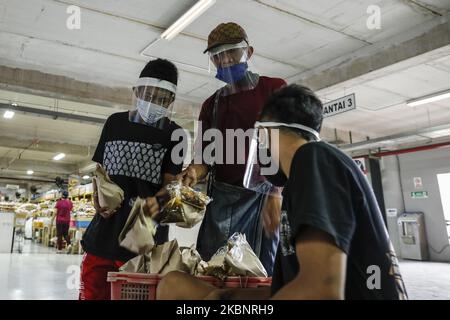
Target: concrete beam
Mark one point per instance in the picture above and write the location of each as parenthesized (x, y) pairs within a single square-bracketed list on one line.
[(426, 38), (39, 167), (61, 87), (45, 146), (23, 182), (64, 88), (17, 178)]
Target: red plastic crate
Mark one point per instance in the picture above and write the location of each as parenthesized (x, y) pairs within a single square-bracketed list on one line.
[(141, 286), (133, 286), (247, 282)]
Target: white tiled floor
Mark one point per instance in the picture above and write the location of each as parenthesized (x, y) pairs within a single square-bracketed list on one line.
[(39, 273), (426, 280)]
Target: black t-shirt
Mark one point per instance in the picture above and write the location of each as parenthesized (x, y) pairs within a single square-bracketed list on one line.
[(136, 157), (326, 190)]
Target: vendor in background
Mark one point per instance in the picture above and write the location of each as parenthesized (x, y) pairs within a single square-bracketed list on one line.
[(135, 150), (235, 106), (63, 208)]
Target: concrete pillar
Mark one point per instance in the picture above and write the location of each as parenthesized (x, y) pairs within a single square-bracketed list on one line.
[(393, 196)]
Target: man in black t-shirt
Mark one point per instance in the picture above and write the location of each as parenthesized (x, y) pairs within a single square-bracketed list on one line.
[(135, 149), (333, 241)]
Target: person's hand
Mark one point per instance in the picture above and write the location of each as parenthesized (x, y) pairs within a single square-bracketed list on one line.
[(153, 205), (103, 211), (271, 214), (193, 174)]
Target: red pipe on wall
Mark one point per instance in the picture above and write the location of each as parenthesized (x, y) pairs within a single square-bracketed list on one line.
[(411, 150)]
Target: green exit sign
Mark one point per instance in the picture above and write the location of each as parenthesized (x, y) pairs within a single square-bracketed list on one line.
[(419, 195)]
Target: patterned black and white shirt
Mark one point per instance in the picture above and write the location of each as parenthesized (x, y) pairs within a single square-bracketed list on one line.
[(136, 157)]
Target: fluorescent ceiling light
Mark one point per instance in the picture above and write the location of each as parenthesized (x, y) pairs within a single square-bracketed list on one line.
[(428, 99), (59, 156), (86, 177), (30, 172), (186, 19), (437, 134), (8, 114)]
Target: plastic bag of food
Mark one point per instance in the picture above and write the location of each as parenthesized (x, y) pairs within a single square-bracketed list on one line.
[(185, 207), (235, 259), (241, 260), (216, 265)]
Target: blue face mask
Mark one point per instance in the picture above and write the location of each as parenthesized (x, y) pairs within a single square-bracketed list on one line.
[(232, 74)]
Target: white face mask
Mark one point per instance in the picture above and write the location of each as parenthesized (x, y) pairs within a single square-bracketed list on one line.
[(150, 112)]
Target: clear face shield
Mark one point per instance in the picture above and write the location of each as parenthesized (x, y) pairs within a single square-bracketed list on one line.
[(153, 101), (230, 63), (263, 172)]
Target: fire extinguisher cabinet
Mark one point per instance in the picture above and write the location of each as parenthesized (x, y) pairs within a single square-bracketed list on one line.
[(413, 240)]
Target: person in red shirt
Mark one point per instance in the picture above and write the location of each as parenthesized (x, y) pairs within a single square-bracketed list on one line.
[(63, 208), (235, 106)]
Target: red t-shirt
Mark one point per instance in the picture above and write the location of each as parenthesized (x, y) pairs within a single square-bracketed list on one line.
[(237, 111), (63, 209)]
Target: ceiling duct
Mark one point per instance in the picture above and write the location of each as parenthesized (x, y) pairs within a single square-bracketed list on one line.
[(425, 134)]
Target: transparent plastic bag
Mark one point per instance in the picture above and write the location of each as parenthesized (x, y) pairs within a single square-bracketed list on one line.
[(234, 259), (241, 260), (186, 206)]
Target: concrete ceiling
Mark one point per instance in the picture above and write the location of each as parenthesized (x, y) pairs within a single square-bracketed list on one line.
[(324, 44), (381, 99)]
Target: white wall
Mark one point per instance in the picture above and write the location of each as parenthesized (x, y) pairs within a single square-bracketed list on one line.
[(398, 184), (185, 237)]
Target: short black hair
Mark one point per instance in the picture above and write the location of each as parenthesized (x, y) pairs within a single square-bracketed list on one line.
[(295, 104), (160, 69), (65, 194)]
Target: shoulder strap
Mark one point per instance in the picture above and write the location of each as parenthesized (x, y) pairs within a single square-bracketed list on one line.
[(214, 124)]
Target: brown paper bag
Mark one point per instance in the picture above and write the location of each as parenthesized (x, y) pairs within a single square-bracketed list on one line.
[(110, 195), (139, 264), (163, 259), (166, 258), (137, 234), (190, 259)]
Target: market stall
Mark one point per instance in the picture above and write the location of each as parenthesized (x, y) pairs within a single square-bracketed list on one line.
[(36, 220)]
